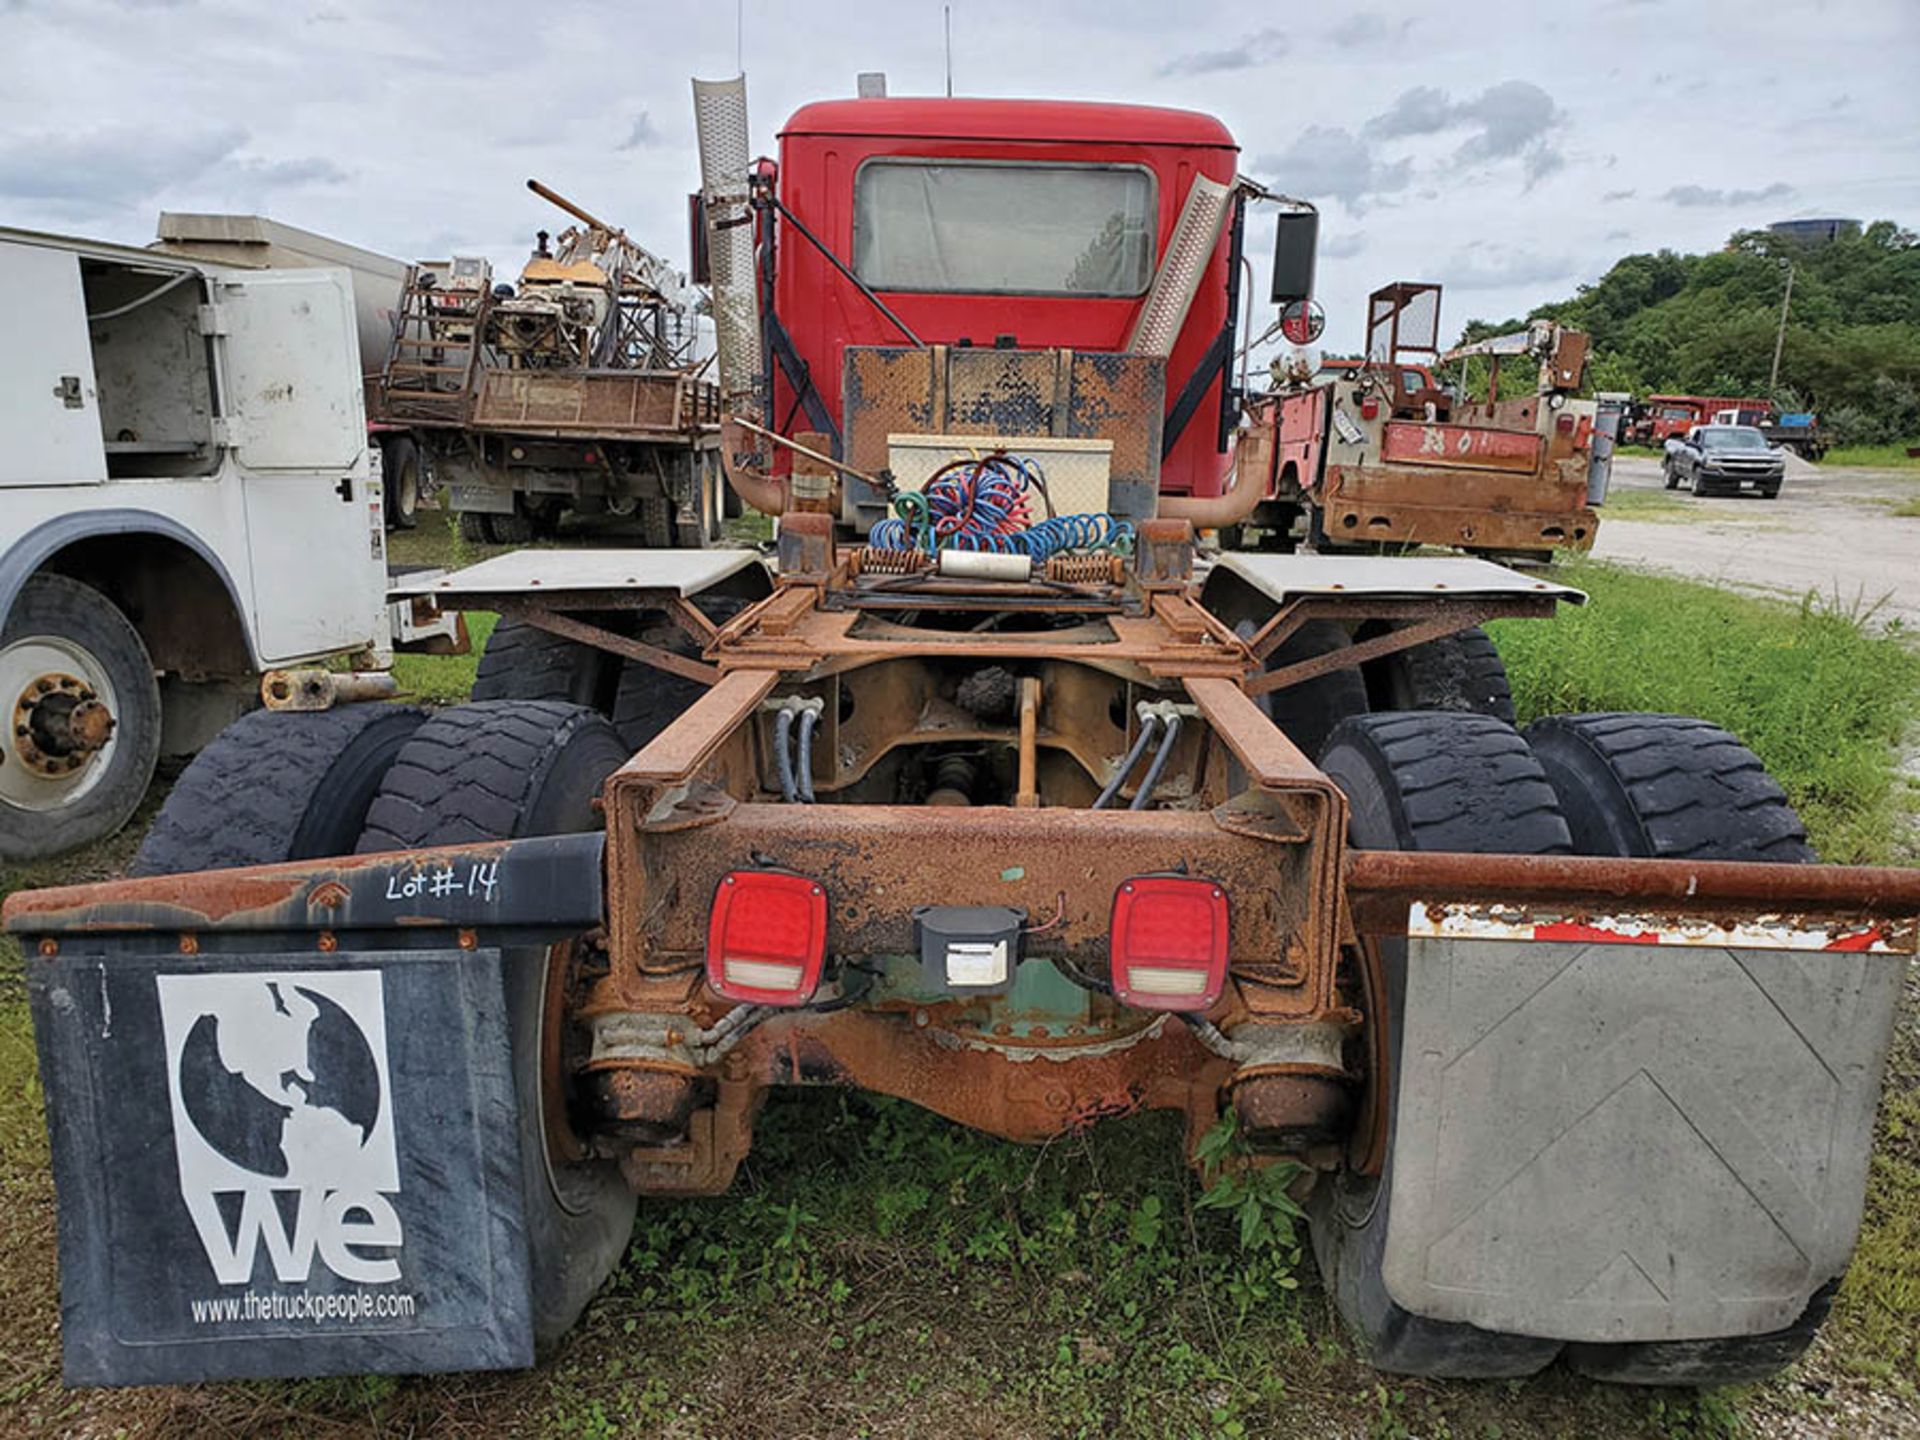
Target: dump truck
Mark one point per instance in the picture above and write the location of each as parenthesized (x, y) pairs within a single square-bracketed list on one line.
[(191, 503), (577, 391), (1013, 808), (1376, 454), (1659, 418)]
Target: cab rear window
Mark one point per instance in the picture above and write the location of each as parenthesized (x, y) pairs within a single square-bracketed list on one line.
[(1007, 229)]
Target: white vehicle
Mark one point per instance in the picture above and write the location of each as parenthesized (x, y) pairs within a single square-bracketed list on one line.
[(187, 499)]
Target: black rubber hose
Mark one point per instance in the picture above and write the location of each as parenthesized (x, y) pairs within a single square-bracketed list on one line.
[(1160, 758), (783, 753), (1147, 726), (808, 719)]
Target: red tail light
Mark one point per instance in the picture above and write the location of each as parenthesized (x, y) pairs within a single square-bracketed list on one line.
[(1169, 942), (767, 937)]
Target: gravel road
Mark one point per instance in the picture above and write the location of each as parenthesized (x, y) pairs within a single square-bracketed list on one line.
[(1831, 530)]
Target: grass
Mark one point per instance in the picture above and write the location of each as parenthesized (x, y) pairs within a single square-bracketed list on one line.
[(1820, 698), (1906, 509), (1661, 506), (1876, 457), (877, 1271)]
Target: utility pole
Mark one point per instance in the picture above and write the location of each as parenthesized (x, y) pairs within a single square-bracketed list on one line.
[(1780, 339)]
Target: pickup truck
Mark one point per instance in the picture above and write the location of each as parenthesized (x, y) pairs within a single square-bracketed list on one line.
[(1734, 459)]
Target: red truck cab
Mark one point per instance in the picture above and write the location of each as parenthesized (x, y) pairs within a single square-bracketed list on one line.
[(1020, 224)]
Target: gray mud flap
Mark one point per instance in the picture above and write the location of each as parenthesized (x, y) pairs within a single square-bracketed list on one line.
[(1629, 1141), (274, 1164)]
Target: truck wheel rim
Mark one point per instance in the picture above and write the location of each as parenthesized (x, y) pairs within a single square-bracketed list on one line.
[(561, 1150), (61, 711)]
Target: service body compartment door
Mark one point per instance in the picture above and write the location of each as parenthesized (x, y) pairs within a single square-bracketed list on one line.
[(281, 1163), (297, 431), (49, 411)]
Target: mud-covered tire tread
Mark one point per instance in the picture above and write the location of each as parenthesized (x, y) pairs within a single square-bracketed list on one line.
[(1464, 782), (1665, 787), (1309, 713), (276, 786), (470, 773), (1452, 781), (1672, 787), (524, 662), (1460, 672), (1734, 1360), (504, 770)]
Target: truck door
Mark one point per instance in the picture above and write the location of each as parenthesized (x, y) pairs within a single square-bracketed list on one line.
[(297, 431), (49, 411)]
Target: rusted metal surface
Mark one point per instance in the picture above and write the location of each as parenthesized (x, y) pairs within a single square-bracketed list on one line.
[(978, 390), (1457, 614), (1292, 1113), (551, 882), (618, 404), (1026, 859), (602, 638), (1381, 884), (1270, 758), (58, 724), (312, 688), (1360, 652), (1465, 447), (1766, 930), (806, 545), (1485, 510), (647, 1107), (1163, 555), (683, 747), (791, 632)]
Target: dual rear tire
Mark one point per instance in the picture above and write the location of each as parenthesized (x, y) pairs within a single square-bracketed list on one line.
[(1616, 784), (276, 787)]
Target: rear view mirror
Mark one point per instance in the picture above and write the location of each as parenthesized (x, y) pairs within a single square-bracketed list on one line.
[(698, 268), (1295, 240)]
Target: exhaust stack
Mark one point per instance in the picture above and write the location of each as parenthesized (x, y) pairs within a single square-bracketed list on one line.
[(720, 122)]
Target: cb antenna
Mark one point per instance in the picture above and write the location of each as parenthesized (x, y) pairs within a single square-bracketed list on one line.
[(740, 36), (946, 17)]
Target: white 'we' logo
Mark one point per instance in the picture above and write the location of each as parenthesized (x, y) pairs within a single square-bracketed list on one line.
[(283, 1121)]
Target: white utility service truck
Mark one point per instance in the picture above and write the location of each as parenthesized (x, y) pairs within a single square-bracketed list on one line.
[(187, 499)]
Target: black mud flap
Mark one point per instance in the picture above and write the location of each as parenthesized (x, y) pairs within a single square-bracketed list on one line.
[(281, 1164)]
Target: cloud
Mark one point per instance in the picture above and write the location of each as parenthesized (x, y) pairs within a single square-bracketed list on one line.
[(1473, 269), (1511, 115), (1423, 110), (1513, 118), (1613, 195), (1365, 28), (1328, 162), (109, 169), (1259, 48), (1618, 235), (1542, 161), (1702, 197), (307, 170), (644, 132), (1345, 245)]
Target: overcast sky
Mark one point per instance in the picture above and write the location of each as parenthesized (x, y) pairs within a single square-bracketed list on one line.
[(1508, 158)]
